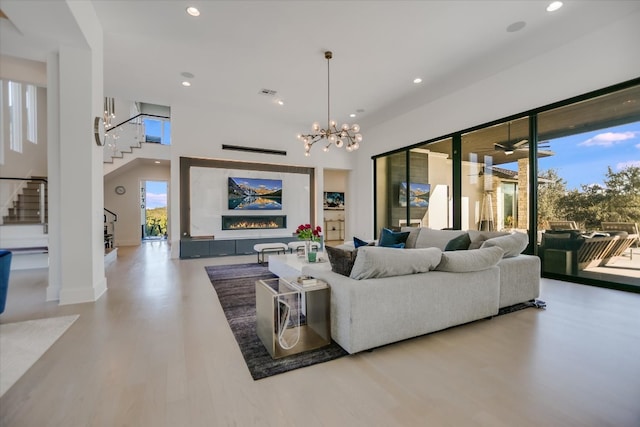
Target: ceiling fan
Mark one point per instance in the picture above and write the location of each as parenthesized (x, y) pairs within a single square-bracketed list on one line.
[(510, 147)]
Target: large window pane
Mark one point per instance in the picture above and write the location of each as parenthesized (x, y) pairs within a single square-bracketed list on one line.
[(495, 170), (589, 192), (430, 171)]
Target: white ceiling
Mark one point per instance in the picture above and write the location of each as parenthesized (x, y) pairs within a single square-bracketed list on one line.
[(236, 48)]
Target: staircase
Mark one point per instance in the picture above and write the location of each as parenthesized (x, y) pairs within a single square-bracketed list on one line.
[(30, 206)]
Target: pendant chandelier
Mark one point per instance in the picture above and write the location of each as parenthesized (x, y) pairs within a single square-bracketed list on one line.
[(346, 134)]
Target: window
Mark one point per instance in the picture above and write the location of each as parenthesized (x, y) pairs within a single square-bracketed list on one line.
[(157, 131), (15, 116), (32, 113)]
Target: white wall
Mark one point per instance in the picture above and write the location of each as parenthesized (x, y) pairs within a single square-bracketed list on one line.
[(33, 159), (602, 59), (127, 206), (200, 133), (209, 201)]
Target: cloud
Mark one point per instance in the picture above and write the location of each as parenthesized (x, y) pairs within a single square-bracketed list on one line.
[(608, 139), (624, 165), (155, 199)]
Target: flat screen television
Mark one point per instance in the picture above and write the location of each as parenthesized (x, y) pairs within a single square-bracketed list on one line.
[(418, 195), (255, 194), (333, 200)]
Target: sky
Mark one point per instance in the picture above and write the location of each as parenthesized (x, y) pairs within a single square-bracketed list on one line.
[(156, 194), (584, 158)]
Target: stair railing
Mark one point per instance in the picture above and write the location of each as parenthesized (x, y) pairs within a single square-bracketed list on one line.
[(115, 146), (109, 237), (13, 198)]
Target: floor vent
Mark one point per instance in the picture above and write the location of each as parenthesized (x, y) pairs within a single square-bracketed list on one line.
[(254, 150)]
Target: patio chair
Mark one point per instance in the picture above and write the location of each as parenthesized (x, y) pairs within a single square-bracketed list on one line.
[(563, 225)]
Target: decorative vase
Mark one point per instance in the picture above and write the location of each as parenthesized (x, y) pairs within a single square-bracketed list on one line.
[(309, 255)]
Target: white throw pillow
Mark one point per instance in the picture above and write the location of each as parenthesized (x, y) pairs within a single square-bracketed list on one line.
[(466, 261), (377, 261), (512, 244)]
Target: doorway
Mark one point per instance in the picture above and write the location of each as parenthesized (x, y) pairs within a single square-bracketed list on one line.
[(153, 210)]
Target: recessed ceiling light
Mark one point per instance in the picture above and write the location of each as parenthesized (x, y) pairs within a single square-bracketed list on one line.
[(553, 6), (280, 101), (186, 83), (417, 80), (193, 11), (157, 162), (352, 115)]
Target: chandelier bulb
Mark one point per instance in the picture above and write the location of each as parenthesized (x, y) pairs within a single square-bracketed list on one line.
[(349, 148), (345, 126), (355, 128), (339, 143), (307, 154), (315, 126), (333, 123), (325, 148), (332, 138), (356, 145), (358, 137)]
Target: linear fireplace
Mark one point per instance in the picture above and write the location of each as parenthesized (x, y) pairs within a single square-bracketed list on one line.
[(253, 222)]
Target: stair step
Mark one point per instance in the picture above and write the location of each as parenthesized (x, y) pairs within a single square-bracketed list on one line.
[(21, 221)]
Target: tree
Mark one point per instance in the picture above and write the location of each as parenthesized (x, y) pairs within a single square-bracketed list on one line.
[(551, 191), (623, 194)]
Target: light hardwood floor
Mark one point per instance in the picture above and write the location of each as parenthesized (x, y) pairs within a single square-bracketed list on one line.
[(156, 350)]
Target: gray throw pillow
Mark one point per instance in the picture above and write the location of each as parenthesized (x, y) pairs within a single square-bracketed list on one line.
[(413, 236), (512, 244), (478, 237), (466, 261), (430, 238), (376, 261), (460, 243), (341, 260)]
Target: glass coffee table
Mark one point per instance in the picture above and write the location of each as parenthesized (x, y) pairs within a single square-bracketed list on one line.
[(292, 318)]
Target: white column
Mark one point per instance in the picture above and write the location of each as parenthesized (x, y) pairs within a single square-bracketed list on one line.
[(53, 177), (81, 181)]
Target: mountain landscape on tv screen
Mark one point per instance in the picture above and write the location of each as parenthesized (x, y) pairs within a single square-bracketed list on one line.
[(255, 194)]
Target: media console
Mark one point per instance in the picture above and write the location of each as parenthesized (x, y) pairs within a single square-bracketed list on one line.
[(202, 248)]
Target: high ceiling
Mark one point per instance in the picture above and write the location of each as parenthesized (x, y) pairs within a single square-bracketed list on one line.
[(236, 48)]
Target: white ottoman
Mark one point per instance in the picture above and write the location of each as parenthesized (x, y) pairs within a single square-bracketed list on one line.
[(299, 246), (269, 248)]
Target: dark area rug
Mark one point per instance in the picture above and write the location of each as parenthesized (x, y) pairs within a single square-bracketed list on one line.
[(235, 286)]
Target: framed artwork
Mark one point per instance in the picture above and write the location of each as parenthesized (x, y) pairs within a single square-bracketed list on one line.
[(333, 200), (255, 194)]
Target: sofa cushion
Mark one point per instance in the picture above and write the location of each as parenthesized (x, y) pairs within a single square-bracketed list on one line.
[(413, 236), (478, 237), (511, 244), (431, 238), (466, 261), (376, 261), (460, 243), (341, 259), (389, 238)]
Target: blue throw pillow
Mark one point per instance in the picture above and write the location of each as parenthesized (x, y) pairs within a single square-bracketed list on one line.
[(391, 239), (359, 242)]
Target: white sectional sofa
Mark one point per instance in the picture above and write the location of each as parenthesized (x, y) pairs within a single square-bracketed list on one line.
[(395, 294)]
